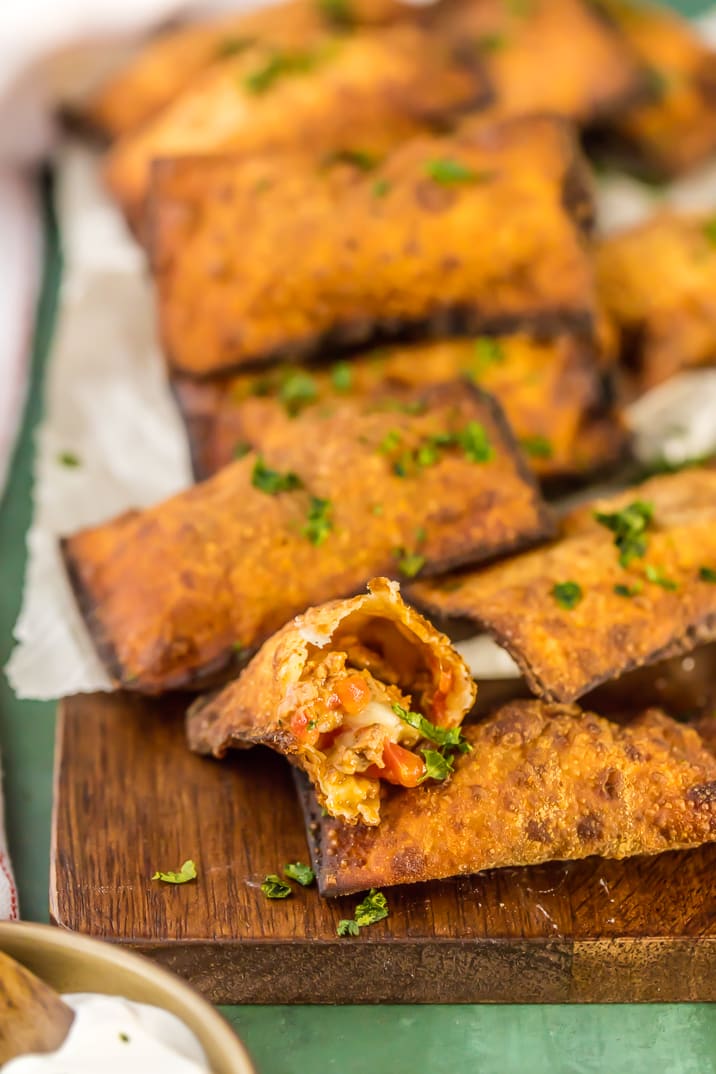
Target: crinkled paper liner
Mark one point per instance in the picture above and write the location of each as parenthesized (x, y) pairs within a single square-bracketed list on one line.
[(108, 406)]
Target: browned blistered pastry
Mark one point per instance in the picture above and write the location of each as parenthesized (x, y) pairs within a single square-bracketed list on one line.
[(559, 56), (554, 395), (657, 281), (171, 61), (631, 581), (359, 92), (274, 258), (675, 129), (543, 782), (172, 592), (327, 691)]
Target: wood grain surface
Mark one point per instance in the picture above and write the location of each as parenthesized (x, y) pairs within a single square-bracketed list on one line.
[(130, 799)]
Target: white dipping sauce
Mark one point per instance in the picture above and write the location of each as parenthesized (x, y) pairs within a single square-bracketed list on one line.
[(116, 1036)]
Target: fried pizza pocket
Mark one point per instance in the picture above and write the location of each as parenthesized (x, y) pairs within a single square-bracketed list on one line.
[(475, 231), (554, 395), (631, 581), (346, 692), (657, 281), (542, 782), (360, 92), (174, 594)]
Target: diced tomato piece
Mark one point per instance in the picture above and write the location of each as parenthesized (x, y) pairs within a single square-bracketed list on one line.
[(354, 693), (300, 725), (402, 767)]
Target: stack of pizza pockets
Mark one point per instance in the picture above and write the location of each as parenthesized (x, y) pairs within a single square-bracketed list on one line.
[(391, 331)]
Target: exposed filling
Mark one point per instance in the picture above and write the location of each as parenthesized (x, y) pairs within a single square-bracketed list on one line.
[(342, 711)]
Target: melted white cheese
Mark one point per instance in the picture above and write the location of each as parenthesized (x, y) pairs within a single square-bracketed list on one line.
[(116, 1036), (375, 713)]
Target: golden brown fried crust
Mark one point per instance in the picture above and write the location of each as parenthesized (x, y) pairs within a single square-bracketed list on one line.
[(553, 393), (238, 282), (559, 56), (249, 710), (563, 652), (676, 129), (170, 592), (542, 783), (172, 60), (361, 91), (658, 283)]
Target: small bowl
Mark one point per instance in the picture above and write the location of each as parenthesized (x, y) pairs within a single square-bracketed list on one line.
[(69, 962)]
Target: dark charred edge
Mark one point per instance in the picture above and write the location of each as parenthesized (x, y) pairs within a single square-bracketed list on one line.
[(75, 121), (220, 670), (639, 91), (351, 338), (564, 480), (577, 196), (615, 149)]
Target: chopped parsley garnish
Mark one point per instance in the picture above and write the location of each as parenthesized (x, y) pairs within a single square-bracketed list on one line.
[(342, 377), (124, 1037), (657, 576), (491, 42), (657, 81), (390, 441), (337, 13), (475, 443), (186, 872), (275, 67), (358, 158), (238, 647), (567, 594), (319, 524), (537, 447), (381, 187), (69, 459), (303, 874), (420, 535), (437, 765), (447, 170), (629, 527), (377, 509), (273, 481), (231, 46), (488, 352), (710, 230), (707, 574), (373, 908), (409, 563), (297, 391), (273, 887), (628, 590), (441, 736), (241, 448), (345, 927)]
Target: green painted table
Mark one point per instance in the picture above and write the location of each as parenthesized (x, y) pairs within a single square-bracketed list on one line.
[(352, 1040)]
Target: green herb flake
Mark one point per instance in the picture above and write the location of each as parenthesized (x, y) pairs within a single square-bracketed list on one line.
[(377, 510), (707, 574), (567, 594), (537, 447), (420, 535), (319, 523), (629, 527), (488, 352), (448, 171), (409, 563), (297, 391), (381, 187), (709, 230), (451, 737), (373, 908), (238, 647), (438, 766), (276, 67), (273, 481), (337, 13), (628, 590), (345, 927), (273, 887), (657, 576), (302, 874), (342, 377), (475, 443), (390, 441), (186, 872), (69, 459), (241, 448), (491, 42), (232, 46), (124, 1037), (357, 158)]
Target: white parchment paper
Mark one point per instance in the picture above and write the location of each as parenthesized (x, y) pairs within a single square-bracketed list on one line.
[(108, 406)]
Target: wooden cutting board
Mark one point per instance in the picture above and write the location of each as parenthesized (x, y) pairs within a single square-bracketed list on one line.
[(130, 799)]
